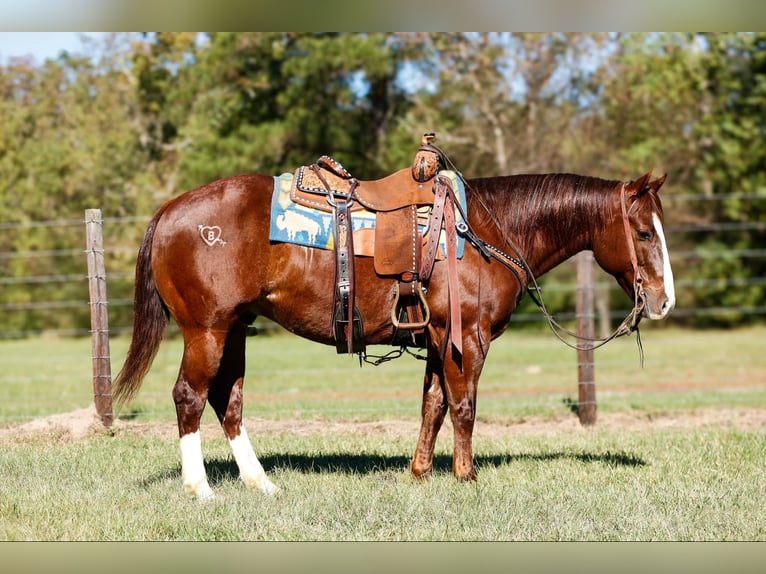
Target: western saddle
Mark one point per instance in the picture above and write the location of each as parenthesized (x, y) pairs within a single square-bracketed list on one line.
[(401, 250)]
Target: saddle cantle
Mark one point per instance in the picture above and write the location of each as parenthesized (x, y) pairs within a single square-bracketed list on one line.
[(334, 166)]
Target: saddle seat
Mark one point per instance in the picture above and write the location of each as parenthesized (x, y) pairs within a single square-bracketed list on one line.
[(389, 193), (395, 200)]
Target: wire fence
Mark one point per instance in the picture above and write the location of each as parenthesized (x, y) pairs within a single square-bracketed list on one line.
[(48, 280), (120, 258)]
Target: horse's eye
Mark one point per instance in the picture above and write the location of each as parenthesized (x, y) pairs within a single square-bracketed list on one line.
[(643, 234)]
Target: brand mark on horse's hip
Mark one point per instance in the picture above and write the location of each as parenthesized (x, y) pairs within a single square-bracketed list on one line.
[(211, 234)]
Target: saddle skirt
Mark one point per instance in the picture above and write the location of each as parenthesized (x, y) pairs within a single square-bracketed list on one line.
[(300, 213)]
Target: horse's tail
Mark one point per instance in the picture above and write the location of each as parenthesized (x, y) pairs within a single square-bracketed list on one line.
[(150, 317)]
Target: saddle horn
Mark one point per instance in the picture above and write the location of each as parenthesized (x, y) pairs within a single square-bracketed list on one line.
[(426, 163)]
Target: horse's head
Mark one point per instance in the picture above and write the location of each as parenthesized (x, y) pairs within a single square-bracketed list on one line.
[(634, 241)]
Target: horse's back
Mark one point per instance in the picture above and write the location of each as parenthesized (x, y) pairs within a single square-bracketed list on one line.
[(235, 198)]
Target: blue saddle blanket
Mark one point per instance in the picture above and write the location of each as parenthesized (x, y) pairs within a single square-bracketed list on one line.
[(293, 223)]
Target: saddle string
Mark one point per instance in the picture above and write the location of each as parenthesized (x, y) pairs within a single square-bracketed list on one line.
[(628, 325), (344, 297)]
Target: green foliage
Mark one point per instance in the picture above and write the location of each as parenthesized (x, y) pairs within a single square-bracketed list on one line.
[(732, 132), (270, 101), (147, 116)]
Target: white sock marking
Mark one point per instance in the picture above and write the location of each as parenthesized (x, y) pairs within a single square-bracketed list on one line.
[(250, 468), (193, 466)]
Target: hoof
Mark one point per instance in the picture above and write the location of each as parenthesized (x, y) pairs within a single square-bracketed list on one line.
[(469, 476), (202, 492), (262, 483), (421, 473), (270, 488)]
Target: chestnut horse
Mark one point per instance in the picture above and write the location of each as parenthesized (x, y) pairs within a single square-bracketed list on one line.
[(206, 260)]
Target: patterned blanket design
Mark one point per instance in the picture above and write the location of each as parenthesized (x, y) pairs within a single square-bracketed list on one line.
[(292, 223)]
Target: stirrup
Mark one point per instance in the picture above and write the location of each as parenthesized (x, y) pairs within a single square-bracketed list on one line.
[(416, 325), (340, 321)]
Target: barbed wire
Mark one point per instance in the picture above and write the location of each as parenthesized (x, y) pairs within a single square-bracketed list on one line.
[(33, 279), (714, 196), (722, 226)]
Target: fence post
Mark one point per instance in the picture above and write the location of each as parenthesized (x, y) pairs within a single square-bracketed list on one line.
[(584, 312), (99, 320)]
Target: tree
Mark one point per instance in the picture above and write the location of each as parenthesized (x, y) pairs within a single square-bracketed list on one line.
[(67, 143), (732, 163), (144, 117), (227, 103)]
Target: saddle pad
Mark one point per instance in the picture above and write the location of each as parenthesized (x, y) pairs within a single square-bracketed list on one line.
[(293, 223)]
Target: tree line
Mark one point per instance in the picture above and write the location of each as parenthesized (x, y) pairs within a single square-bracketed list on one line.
[(136, 118)]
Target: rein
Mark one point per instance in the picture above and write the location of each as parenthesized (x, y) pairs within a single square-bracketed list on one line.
[(628, 325)]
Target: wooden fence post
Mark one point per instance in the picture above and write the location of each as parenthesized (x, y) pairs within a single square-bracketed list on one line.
[(99, 320), (585, 316)]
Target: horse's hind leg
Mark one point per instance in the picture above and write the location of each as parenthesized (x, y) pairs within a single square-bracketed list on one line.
[(432, 412), (225, 396), (202, 353)]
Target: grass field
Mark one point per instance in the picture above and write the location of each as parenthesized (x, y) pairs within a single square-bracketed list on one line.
[(678, 453), (525, 374)]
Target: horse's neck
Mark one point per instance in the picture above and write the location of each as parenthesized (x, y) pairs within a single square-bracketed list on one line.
[(549, 217), (543, 255), (556, 235)]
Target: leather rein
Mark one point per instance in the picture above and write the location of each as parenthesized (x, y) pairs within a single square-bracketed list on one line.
[(631, 321), (522, 271)]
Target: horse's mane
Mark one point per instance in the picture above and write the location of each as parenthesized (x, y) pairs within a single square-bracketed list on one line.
[(560, 203)]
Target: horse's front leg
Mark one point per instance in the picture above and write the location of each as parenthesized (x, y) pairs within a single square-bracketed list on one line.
[(461, 378), (432, 416), (225, 396)]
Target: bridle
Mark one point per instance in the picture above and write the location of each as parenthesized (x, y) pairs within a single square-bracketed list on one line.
[(639, 301), (513, 263), (628, 325)]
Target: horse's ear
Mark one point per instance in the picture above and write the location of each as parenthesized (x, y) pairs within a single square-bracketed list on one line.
[(639, 186), (657, 183)]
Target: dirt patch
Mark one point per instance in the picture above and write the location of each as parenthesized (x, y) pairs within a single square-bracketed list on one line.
[(83, 423), (742, 418), (708, 418), (73, 425)]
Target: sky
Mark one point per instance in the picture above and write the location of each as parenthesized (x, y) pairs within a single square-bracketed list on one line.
[(40, 45)]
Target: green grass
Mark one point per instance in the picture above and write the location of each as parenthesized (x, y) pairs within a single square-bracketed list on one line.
[(586, 485), (526, 374), (350, 481)]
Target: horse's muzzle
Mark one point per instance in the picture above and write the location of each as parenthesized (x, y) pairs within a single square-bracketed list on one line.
[(657, 308)]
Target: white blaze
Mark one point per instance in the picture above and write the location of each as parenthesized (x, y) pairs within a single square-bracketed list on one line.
[(667, 272)]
